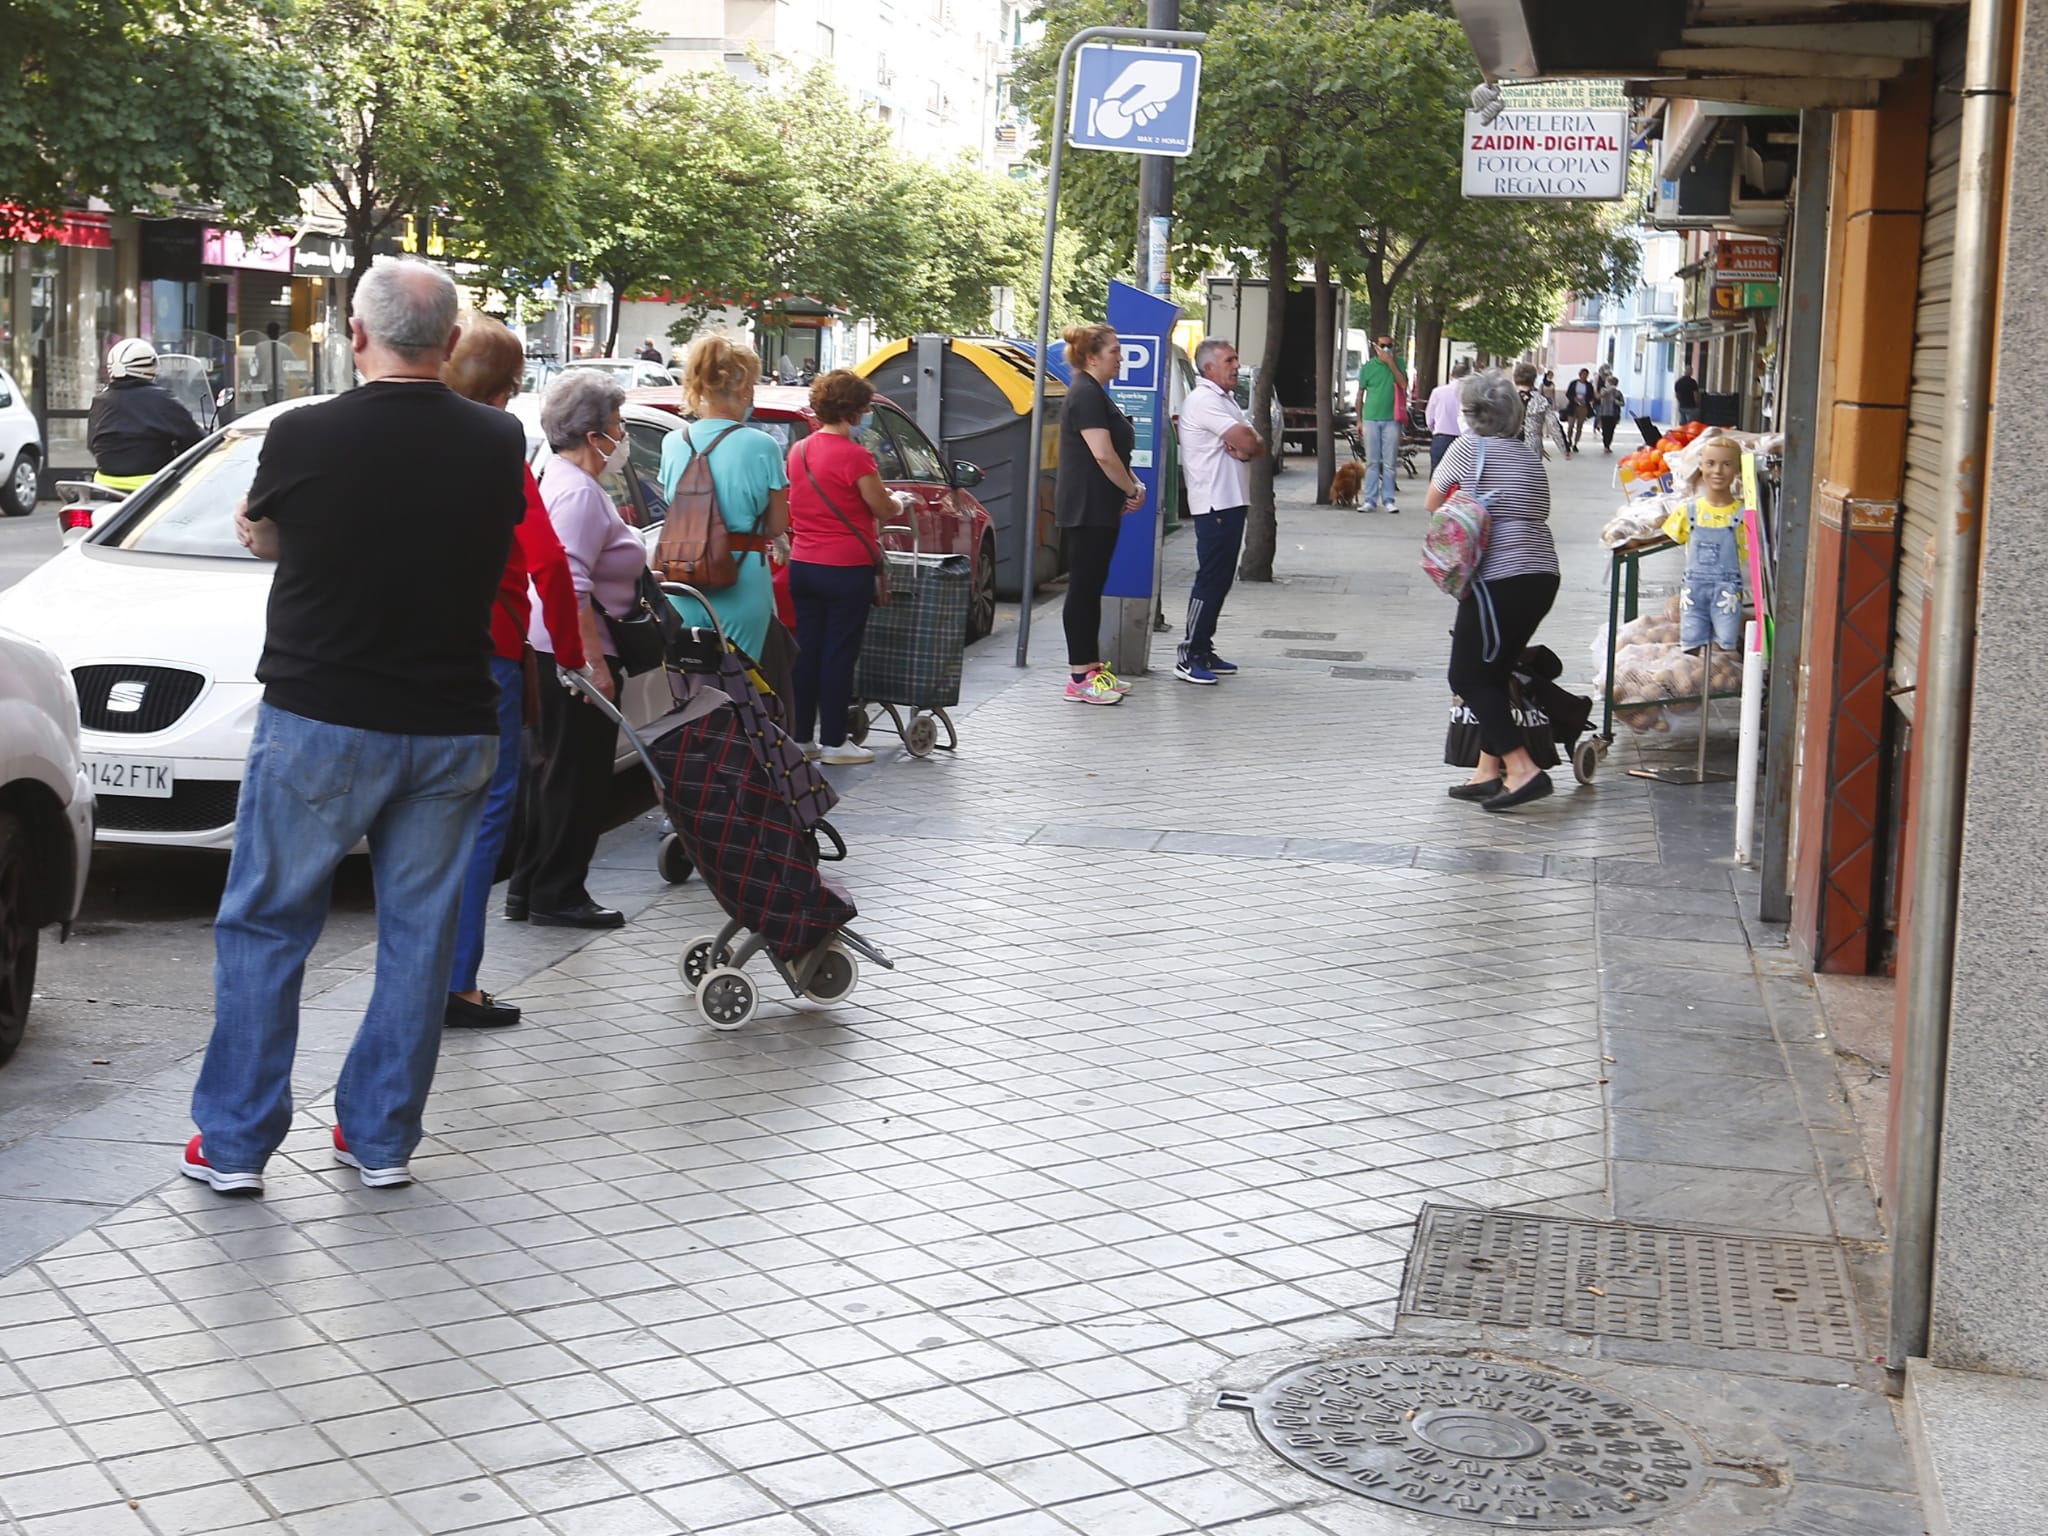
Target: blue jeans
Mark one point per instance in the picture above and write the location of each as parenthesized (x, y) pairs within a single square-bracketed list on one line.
[(1219, 538), (310, 793), (1382, 452), (832, 603), (499, 801)]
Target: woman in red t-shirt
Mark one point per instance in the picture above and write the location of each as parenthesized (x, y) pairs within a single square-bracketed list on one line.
[(837, 509)]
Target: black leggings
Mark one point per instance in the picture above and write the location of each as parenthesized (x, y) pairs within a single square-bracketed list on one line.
[(1607, 426), (1518, 604), (1088, 551)]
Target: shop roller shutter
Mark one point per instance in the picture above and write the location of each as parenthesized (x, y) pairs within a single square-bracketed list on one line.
[(1927, 410)]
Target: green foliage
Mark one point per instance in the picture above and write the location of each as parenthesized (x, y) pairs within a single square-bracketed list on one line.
[(676, 191), (1498, 270), (141, 102), (487, 107)]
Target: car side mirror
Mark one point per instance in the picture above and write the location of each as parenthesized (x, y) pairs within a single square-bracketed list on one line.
[(966, 475)]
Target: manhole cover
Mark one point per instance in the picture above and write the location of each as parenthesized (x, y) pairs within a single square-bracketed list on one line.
[(1478, 1440), (1313, 655), (1297, 634), (1374, 674), (1664, 1284)]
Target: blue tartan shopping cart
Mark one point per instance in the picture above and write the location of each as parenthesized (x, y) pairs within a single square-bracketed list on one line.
[(911, 653)]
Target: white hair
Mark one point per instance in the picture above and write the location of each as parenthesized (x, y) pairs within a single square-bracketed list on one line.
[(407, 305), (580, 401), (1492, 406), (1207, 348)]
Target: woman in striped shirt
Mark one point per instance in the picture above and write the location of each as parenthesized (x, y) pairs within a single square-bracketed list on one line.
[(1514, 588)]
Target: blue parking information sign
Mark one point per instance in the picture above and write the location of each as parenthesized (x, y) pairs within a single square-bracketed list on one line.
[(1138, 100)]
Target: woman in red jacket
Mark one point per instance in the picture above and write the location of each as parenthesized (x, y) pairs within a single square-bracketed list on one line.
[(485, 367)]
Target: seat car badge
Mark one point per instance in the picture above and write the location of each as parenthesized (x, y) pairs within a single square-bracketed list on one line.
[(125, 698)]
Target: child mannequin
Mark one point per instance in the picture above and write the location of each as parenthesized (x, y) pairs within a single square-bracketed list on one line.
[(1710, 526)]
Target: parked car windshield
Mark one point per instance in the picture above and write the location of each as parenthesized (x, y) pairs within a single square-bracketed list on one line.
[(195, 513)]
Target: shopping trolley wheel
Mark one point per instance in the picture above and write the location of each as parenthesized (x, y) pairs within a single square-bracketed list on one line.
[(1586, 760), (856, 723), (921, 735), (836, 974), (700, 959), (670, 862), (727, 998)]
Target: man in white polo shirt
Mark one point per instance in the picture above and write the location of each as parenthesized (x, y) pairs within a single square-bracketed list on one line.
[(1217, 445)]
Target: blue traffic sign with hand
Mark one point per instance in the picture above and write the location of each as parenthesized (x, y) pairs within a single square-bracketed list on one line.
[(1138, 100)]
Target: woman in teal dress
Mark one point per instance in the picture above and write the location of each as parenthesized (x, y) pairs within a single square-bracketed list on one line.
[(752, 483)]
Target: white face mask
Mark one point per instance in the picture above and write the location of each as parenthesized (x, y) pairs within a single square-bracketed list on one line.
[(615, 461)]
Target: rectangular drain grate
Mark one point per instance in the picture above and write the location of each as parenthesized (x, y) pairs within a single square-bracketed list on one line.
[(1374, 674), (1662, 1284), (1297, 634), (1312, 655)]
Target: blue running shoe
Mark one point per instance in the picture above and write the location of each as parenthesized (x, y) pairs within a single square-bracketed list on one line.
[(1219, 666), (1194, 670)]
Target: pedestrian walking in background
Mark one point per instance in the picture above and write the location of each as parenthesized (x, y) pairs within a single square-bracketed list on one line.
[(389, 511), (1610, 402), (135, 428), (1513, 589), (1443, 413), (486, 366), (1539, 419), (649, 352), (1579, 396), (1379, 423), (1217, 445), (747, 472), (1092, 491), (838, 508), (573, 741), (1685, 390)]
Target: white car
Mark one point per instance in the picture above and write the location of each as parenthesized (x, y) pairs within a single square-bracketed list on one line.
[(628, 372), (45, 818), (159, 613), (21, 450)]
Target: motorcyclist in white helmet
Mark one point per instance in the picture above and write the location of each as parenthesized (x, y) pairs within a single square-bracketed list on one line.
[(136, 427)]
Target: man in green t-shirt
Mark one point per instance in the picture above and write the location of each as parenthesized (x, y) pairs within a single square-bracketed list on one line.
[(1379, 425)]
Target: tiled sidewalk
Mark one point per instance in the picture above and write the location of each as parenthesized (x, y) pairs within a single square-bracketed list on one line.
[(1199, 1001)]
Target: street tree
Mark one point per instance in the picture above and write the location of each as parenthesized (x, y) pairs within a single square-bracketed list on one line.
[(677, 192), (144, 103), (1496, 271), (482, 109), (969, 232)]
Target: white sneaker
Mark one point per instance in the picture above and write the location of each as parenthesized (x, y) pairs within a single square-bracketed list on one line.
[(846, 755), (811, 751)]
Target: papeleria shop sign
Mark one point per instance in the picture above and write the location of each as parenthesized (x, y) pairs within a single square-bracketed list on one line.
[(1547, 154)]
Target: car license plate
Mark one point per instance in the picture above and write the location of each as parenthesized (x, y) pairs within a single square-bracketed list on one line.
[(147, 778)]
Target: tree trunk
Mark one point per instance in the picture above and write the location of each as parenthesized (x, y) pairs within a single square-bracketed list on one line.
[(1262, 527), (1429, 353), (611, 341), (1326, 345)]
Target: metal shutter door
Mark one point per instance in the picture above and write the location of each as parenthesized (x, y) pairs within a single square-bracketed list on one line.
[(1927, 410)]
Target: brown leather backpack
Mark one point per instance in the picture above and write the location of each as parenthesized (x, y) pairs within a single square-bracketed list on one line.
[(695, 545)]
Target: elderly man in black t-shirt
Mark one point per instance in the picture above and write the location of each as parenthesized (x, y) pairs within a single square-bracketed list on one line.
[(389, 511)]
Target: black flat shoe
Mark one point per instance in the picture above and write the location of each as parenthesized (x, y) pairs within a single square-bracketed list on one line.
[(1536, 789), (515, 909), (1483, 789), (589, 915), (488, 1014)]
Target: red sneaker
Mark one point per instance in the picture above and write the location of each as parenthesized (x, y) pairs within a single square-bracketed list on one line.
[(373, 1178), (197, 1167)]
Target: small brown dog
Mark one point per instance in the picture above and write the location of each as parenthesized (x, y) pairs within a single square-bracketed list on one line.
[(1345, 486)]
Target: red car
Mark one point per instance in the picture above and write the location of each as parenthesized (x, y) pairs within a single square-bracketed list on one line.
[(950, 521)]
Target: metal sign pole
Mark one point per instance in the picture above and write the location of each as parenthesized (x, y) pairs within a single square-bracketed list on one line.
[(1027, 520)]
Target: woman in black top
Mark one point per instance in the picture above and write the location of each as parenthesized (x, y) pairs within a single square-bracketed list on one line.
[(1091, 494)]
